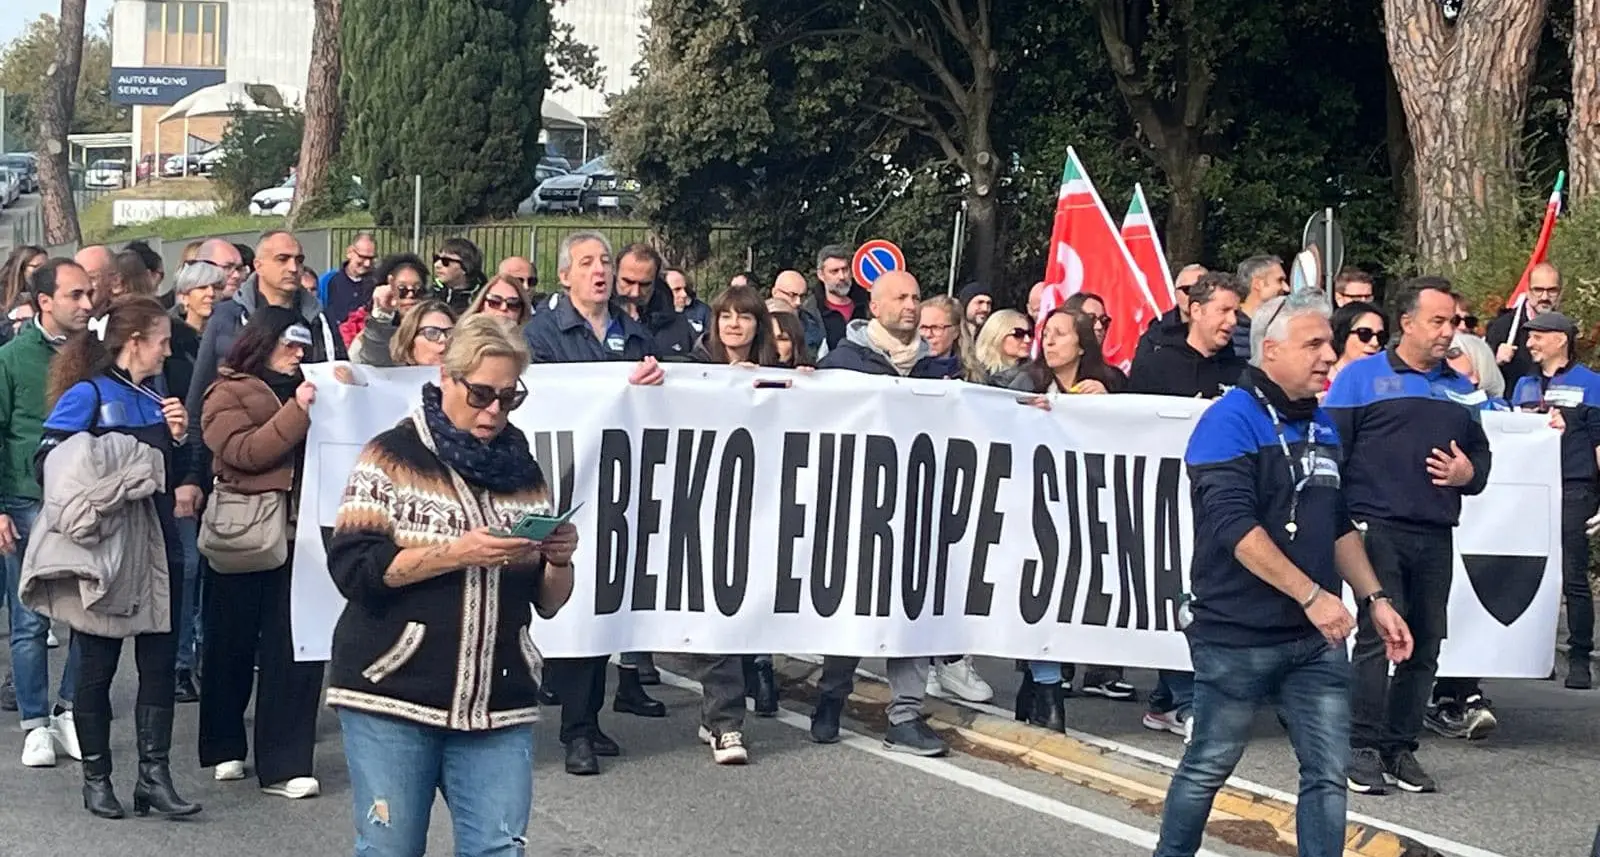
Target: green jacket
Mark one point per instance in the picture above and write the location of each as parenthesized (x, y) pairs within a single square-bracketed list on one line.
[(24, 369)]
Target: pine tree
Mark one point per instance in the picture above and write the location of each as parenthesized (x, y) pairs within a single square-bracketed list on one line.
[(450, 90)]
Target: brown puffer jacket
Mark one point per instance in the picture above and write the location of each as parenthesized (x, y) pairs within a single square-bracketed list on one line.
[(252, 437)]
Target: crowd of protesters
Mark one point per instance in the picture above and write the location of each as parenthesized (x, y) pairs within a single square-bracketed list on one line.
[(201, 384)]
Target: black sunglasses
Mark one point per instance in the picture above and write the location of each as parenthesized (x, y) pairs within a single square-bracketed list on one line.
[(480, 396), (1469, 320), (1100, 320), (410, 291), (497, 302), (446, 260), (1367, 334), (1020, 333)]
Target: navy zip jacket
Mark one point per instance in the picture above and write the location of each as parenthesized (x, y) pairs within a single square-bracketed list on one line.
[(1240, 479), (1576, 391), (856, 353), (1391, 417), (558, 334)]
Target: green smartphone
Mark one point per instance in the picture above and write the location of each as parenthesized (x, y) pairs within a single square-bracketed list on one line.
[(537, 527)]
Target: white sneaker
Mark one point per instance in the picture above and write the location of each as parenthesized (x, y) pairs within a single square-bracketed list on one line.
[(227, 771), (933, 687), (961, 678), (50, 640), (65, 732), (728, 749), (39, 748), (295, 789), (1170, 721)]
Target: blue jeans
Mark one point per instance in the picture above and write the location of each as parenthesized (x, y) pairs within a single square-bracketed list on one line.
[(30, 656), (1311, 680), (188, 619), (396, 766), (1174, 691)]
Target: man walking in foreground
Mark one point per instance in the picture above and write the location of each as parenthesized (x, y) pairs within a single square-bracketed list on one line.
[(1272, 541)]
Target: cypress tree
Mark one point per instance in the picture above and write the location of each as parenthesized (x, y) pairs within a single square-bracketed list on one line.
[(450, 90)]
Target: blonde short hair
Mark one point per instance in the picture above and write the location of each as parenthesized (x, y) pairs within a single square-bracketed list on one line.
[(988, 353), (479, 337)]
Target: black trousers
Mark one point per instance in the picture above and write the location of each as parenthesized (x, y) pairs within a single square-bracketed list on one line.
[(153, 656), (1578, 503), (1415, 566), (246, 621), (581, 684)]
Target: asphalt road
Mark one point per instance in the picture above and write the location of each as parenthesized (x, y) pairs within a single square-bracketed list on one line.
[(663, 797)]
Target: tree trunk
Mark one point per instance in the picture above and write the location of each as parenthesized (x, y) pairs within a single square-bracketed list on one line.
[(320, 140), (1464, 87), (1583, 131), (1397, 140), (59, 95), (1186, 215)]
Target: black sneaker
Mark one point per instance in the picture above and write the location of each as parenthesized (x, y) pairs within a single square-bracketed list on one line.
[(1447, 718), (1114, 688), (1478, 714), (8, 694), (1366, 772), (1409, 775), (915, 737), (1578, 674)]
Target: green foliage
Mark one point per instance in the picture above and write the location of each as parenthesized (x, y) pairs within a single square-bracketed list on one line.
[(260, 149), (22, 64), (450, 90)]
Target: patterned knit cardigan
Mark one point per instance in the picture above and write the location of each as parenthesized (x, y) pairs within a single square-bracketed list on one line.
[(456, 651)]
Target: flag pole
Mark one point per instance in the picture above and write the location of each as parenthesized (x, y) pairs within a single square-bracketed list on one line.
[(1516, 320)]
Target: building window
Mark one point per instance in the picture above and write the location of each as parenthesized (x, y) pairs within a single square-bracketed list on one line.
[(186, 34)]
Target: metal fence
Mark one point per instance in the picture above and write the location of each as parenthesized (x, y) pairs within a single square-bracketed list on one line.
[(27, 227), (540, 244)]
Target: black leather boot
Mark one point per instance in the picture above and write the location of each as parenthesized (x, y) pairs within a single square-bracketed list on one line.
[(766, 697), (1048, 707), (631, 698), (825, 720), (154, 789), (1025, 694), (94, 738), (581, 759), (1578, 674)]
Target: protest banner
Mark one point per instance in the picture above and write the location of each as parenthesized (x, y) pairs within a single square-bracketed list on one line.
[(848, 514)]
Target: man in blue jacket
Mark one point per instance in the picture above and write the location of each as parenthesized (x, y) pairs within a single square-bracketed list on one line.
[(1559, 382), (584, 325), (1274, 545), (1414, 447), (887, 344)]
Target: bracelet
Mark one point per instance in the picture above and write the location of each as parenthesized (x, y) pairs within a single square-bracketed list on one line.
[(1305, 603)]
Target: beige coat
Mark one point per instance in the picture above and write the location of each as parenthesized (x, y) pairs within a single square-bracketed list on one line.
[(96, 558)]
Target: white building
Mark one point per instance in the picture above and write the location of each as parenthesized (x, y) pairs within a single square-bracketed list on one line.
[(163, 50)]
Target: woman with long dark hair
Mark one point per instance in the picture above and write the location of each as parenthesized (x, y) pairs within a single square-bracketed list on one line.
[(14, 288), (1070, 362), (740, 331), (255, 420), (107, 380), (789, 338)]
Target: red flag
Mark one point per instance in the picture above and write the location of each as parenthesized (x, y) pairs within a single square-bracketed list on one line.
[(1087, 255), (1139, 233), (1541, 248)]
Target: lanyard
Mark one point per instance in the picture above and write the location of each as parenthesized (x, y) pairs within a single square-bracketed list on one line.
[(1299, 474)]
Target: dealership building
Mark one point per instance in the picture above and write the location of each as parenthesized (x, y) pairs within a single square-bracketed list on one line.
[(164, 50)]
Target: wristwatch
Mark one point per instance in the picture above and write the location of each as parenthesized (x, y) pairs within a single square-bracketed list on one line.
[(1375, 597)]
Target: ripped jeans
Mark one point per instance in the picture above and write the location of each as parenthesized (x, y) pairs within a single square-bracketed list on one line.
[(396, 766)]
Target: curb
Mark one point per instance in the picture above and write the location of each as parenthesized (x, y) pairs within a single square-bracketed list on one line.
[(1238, 817)]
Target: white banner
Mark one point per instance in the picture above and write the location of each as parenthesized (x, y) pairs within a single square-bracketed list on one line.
[(857, 515)]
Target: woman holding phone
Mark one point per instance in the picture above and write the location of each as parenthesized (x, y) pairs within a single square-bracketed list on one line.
[(434, 672)]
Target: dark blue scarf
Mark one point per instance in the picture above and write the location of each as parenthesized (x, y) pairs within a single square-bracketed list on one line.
[(502, 465)]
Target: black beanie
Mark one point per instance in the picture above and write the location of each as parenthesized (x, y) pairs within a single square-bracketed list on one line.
[(970, 291)]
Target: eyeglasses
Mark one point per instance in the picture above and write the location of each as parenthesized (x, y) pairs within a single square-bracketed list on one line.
[(1020, 333), (931, 329), (1453, 353), (791, 297), (1469, 320), (1367, 334), (1548, 292), (497, 302), (446, 260), (409, 291), (1099, 320), (436, 334), (481, 396)]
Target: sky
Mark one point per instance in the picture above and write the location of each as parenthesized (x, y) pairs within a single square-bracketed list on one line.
[(19, 13)]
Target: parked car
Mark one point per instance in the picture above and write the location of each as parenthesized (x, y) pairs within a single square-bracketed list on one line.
[(105, 174), (276, 201), (175, 166), (592, 187), (210, 158), (25, 164), (10, 186), (545, 171)]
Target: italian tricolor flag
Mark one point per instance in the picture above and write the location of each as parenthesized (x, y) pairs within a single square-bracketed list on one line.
[(1541, 248), (1139, 233)]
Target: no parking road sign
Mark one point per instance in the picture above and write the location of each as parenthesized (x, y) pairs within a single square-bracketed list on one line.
[(876, 258)]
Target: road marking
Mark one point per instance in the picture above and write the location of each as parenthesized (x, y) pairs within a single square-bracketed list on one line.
[(1438, 843), (1076, 816)]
